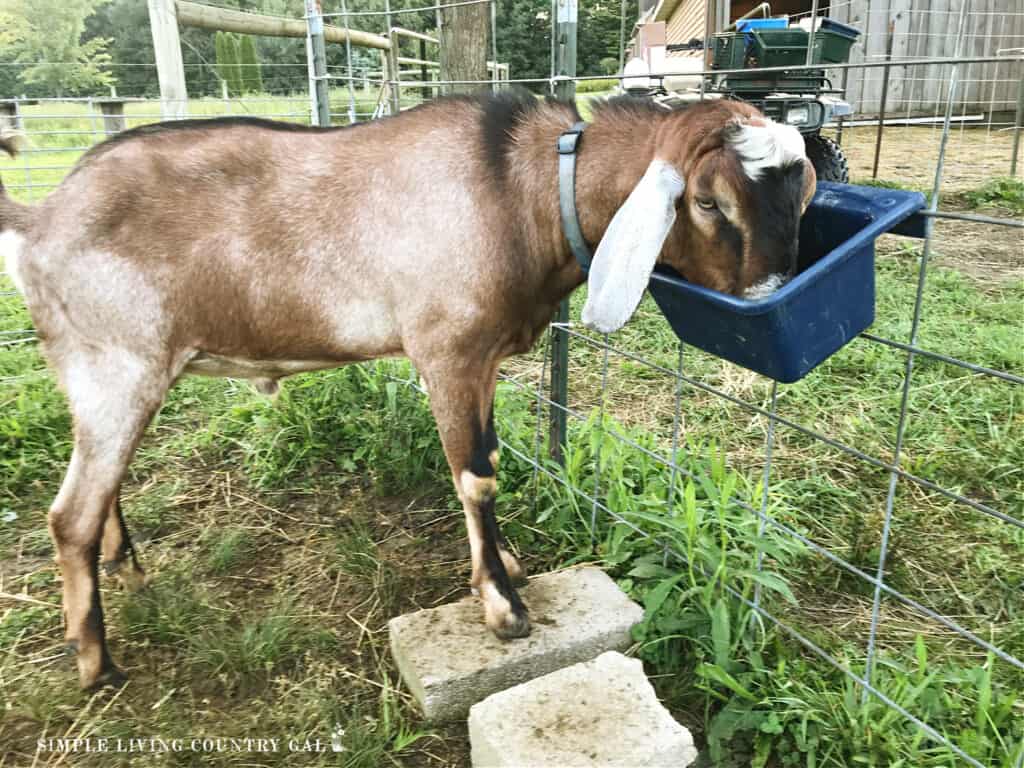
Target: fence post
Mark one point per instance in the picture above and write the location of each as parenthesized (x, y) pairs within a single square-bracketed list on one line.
[(810, 40), (565, 67), (424, 74), (885, 98), (1018, 124), (496, 76), (349, 73), (396, 70), (10, 115), (114, 120), (163, 24), (318, 62), (395, 88)]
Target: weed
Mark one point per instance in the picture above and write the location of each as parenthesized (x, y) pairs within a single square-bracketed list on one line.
[(1006, 193), (227, 549)]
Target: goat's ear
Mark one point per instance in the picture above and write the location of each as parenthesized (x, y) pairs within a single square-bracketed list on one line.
[(629, 249)]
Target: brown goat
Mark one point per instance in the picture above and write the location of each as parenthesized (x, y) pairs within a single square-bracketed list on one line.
[(246, 248)]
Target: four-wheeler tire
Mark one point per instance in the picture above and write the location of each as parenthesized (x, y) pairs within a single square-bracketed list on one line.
[(827, 158)]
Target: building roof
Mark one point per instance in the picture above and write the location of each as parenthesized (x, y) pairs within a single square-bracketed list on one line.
[(664, 9)]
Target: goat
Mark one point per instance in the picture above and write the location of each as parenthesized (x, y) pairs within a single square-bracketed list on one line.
[(255, 249)]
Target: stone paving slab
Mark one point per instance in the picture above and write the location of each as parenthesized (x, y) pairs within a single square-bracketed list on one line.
[(602, 712), (450, 661)]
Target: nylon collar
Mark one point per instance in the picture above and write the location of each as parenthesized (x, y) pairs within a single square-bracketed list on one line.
[(568, 143)]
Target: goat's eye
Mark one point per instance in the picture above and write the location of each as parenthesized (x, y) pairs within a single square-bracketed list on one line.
[(706, 203)]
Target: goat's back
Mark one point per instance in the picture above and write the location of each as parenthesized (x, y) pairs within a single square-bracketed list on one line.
[(251, 239)]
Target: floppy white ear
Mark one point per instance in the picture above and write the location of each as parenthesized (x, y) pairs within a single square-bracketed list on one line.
[(627, 253)]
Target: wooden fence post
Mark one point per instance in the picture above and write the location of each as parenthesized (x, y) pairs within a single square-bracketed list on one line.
[(163, 23), (114, 120), (10, 117)]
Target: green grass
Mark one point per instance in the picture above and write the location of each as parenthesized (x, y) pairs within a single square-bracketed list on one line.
[(596, 86), (282, 535), (1003, 193)]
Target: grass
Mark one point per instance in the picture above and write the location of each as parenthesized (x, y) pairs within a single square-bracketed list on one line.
[(282, 535), (1006, 193), (597, 86)]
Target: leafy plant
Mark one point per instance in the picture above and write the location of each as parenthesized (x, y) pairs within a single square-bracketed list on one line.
[(1004, 192)]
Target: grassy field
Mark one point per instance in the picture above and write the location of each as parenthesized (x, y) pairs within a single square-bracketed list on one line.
[(281, 536)]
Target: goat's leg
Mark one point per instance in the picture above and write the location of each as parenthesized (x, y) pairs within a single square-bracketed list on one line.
[(110, 412), (117, 553), (461, 402)]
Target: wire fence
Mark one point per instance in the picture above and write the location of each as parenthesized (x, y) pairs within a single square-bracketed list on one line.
[(827, 452), (946, 158)]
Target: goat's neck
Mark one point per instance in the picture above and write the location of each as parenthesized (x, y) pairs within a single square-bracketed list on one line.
[(614, 153)]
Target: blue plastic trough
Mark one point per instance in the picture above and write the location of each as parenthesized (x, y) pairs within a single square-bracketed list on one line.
[(785, 335)]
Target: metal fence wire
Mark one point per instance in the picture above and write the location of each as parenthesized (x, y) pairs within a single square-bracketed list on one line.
[(863, 464)]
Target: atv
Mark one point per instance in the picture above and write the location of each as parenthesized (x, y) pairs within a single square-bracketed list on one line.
[(803, 98)]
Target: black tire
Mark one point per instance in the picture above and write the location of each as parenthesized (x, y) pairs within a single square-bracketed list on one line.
[(827, 158)]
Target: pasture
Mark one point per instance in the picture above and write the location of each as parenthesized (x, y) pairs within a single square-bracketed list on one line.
[(281, 536)]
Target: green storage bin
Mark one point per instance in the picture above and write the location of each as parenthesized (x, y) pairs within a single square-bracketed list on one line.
[(831, 47), (730, 51), (779, 47)]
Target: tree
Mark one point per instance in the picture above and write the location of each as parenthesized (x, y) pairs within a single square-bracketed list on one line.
[(599, 33), (464, 39), (223, 50), (47, 39), (524, 38), (228, 62), (252, 78), (126, 24)]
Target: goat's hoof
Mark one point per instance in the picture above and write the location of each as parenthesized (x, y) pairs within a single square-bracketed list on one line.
[(134, 580), (131, 576), (268, 387), (511, 626), (112, 677)]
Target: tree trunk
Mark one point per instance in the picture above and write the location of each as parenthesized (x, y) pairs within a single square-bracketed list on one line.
[(464, 45)]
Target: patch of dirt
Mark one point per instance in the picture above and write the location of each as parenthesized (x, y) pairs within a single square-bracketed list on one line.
[(989, 254), (992, 256), (909, 154), (300, 545)]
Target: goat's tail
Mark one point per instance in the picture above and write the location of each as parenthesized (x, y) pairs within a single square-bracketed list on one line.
[(14, 216)]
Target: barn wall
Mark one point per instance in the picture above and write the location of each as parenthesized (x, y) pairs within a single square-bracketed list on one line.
[(927, 28), (686, 23)]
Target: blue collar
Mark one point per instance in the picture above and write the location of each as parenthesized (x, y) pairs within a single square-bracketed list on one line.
[(568, 143)]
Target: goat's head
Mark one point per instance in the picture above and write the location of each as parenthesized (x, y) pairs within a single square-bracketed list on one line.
[(720, 203)]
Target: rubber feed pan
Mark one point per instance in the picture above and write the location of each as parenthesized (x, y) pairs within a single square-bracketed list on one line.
[(787, 334)]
